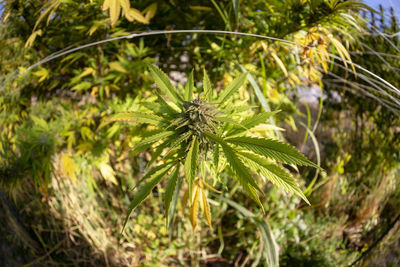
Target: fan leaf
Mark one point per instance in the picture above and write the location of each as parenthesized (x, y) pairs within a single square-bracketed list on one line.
[(189, 87), (154, 138), (231, 88), (272, 149), (206, 207), (207, 86), (165, 84), (137, 117), (273, 173), (144, 192), (251, 122), (243, 174)]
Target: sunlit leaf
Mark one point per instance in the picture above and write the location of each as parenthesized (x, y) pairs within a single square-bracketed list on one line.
[(117, 67), (272, 149), (231, 88), (107, 172), (194, 207), (207, 89), (165, 84), (69, 166)]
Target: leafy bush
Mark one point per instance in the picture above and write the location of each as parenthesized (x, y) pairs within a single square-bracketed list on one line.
[(194, 131)]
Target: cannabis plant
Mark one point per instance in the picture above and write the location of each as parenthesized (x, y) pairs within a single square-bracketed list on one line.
[(196, 136)]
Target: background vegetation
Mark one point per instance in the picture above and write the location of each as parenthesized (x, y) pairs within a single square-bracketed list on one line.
[(67, 178)]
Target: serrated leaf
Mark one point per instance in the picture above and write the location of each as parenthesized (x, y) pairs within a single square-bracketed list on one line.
[(190, 167), (173, 109), (236, 164), (273, 173), (189, 87), (243, 174), (207, 89), (231, 88), (137, 117), (177, 141), (251, 122), (143, 193), (154, 138), (159, 150), (272, 149), (165, 84), (230, 121), (157, 108), (151, 172), (170, 189)]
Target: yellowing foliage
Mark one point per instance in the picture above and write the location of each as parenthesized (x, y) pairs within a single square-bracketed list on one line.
[(69, 166), (116, 7), (107, 172)]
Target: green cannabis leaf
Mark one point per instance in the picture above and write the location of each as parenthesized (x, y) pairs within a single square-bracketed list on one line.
[(194, 133)]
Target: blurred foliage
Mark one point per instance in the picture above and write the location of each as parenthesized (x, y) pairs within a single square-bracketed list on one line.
[(71, 178), (364, 149)]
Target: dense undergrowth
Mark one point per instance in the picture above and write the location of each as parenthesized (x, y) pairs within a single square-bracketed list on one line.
[(68, 176)]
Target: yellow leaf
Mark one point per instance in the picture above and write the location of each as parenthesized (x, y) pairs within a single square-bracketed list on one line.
[(280, 63), (32, 38), (6, 16), (87, 71), (150, 11), (69, 166), (206, 207), (106, 5), (42, 73), (267, 127), (125, 5), (211, 188), (93, 29), (194, 208), (107, 172), (94, 92), (117, 67), (86, 133), (47, 10), (134, 14), (115, 10), (342, 51), (84, 147)]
